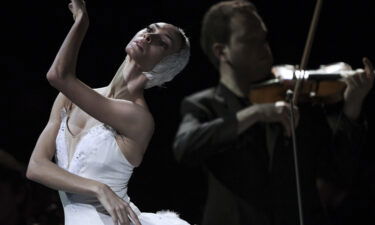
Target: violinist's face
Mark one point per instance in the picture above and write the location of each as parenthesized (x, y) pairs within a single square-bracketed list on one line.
[(153, 43), (248, 49)]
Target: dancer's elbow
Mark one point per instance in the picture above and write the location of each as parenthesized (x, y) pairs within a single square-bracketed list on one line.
[(33, 170), (57, 76), (53, 77)]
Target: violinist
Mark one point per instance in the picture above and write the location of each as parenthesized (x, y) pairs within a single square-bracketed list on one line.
[(245, 148)]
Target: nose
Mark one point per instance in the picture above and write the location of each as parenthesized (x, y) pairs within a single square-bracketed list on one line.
[(147, 37)]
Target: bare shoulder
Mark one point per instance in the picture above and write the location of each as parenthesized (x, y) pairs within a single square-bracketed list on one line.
[(136, 109), (137, 131), (60, 102), (140, 122)]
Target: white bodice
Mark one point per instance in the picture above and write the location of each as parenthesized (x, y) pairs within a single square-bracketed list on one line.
[(98, 157)]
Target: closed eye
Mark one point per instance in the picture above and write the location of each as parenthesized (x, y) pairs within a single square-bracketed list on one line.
[(162, 43), (149, 29)]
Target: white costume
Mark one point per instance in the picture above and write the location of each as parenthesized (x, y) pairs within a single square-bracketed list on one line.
[(98, 157)]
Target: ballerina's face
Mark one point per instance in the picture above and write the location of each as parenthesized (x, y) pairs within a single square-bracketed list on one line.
[(152, 44)]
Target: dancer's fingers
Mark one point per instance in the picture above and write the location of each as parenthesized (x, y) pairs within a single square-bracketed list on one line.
[(122, 215), (133, 217)]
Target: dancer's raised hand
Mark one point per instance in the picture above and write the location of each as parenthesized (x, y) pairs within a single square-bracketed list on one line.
[(78, 8)]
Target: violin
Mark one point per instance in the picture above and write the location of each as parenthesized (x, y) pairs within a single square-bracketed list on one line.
[(324, 85)]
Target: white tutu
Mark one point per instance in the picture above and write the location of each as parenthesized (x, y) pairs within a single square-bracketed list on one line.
[(161, 218)]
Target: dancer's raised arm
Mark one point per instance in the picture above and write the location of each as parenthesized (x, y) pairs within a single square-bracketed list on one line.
[(129, 118)]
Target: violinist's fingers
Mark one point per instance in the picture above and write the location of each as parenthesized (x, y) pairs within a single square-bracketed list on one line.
[(360, 81), (280, 106), (364, 78), (286, 124), (369, 69), (283, 110), (351, 81), (357, 79)]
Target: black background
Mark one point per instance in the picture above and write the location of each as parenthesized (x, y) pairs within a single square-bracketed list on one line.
[(32, 32)]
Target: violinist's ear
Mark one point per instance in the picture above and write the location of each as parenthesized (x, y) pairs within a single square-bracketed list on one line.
[(219, 51)]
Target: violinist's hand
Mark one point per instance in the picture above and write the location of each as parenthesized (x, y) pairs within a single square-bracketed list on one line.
[(120, 211), (78, 9), (278, 112), (358, 86)]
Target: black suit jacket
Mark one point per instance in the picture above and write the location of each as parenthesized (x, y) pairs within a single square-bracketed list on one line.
[(251, 177)]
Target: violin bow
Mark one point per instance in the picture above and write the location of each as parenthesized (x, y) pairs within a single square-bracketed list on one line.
[(307, 49), (294, 101)]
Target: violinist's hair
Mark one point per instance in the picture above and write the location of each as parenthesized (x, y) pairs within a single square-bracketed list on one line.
[(216, 24)]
